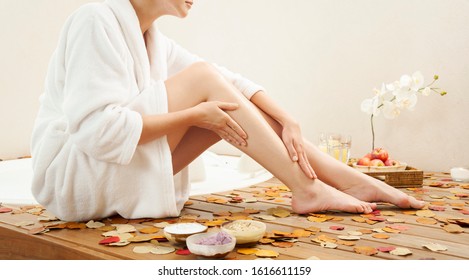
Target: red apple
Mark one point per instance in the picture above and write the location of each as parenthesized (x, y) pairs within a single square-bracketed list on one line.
[(380, 153), (391, 162), (364, 161), (376, 162), (368, 156)]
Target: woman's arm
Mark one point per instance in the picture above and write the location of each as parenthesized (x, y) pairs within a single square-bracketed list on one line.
[(291, 132)]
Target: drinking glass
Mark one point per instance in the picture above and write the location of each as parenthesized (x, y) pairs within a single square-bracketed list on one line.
[(336, 145)]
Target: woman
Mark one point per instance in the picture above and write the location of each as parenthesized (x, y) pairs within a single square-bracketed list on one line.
[(125, 108)]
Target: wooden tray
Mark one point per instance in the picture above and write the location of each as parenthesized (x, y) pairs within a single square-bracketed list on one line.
[(411, 176)]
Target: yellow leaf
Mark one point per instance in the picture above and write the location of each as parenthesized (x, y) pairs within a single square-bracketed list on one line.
[(247, 251), (267, 254)]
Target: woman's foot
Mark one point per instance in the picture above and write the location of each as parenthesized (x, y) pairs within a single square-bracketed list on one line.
[(321, 197), (370, 189)]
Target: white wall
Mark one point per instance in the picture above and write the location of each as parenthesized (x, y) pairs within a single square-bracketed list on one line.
[(319, 59)]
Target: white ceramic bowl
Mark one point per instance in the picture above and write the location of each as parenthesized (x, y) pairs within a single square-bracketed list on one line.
[(209, 251), (460, 174), (179, 232), (246, 231), (363, 168)]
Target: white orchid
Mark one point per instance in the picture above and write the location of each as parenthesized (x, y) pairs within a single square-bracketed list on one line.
[(400, 95)]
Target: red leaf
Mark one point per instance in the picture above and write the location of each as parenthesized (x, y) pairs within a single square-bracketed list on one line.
[(377, 219), (436, 208), (386, 249), (464, 211), (109, 240), (5, 210), (183, 252), (337, 227), (399, 227)]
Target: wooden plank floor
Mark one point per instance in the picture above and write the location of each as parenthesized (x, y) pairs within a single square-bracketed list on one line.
[(448, 204)]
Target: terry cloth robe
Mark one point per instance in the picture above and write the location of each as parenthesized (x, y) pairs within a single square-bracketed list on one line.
[(101, 79)]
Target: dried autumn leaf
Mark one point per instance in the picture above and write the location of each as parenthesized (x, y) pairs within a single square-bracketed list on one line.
[(106, 228), (391, 230), (38, 230), (399, 251), (435, 247), (142, 249), (346, 242), (377, 219), (281, 213), (247, 251), (24, 223), (399, 227), (313, 229), (365, 250), (123, 228), (94, 225), (188, 203), (359, 219), (380, 236), (183, 252), (386, 249), (370, 222), (329, 245), (349, 237), (426, 221), (266, 254), (74, 225), (5, 210), (409, 212), (337, 227), (265, 217), (301, 233), (109, 240), (365, 231), (317, 220), (394, 220), (119, 244), (162, 250), (388, 213), (355, 233), (214, 223), (141, 238), (436, 208), (452, 228), (425, 213), (266, 240), (149, 230), (283, 244)]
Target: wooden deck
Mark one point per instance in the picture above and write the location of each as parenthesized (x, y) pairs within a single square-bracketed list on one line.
[(387, 229)]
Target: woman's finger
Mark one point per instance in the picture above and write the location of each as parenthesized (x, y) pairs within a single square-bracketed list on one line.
[(237, 129), (235, 136), (292, 151), (227, 106)]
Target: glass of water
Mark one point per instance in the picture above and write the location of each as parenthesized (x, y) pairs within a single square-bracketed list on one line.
[(336, 145)]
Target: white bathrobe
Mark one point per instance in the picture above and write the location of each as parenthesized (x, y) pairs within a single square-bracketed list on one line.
[(101, 79)]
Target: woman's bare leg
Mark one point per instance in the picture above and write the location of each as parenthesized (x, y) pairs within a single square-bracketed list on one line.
[(201, 82), (349, 180)]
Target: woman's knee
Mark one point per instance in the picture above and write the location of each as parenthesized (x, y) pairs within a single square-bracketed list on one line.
[(205, 72)]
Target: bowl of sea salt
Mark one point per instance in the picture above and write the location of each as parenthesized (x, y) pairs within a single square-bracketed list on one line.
[(247, 232), (215, 245), (178, 233)]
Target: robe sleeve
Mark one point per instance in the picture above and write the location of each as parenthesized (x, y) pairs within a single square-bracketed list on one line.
[(96, 89), (179, 58)]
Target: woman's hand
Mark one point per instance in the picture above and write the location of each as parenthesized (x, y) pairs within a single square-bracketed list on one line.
[(211, 115), (293, 140)]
